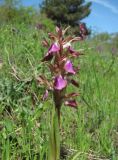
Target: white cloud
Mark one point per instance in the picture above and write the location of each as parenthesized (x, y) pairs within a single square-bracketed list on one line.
[(106, 4)]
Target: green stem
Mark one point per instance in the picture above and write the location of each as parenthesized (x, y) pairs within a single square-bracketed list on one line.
[(58, 114), (54, 138)]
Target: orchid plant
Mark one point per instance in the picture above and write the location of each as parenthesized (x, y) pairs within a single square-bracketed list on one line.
[(59, 59)]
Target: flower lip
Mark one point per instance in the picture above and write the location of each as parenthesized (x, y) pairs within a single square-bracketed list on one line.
[(54, 48), (69, 67), (60, 83)]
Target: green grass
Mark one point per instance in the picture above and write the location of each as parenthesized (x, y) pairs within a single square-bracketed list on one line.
[(89, 132)]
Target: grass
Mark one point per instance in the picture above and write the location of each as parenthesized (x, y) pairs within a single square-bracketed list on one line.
[(90, 132)]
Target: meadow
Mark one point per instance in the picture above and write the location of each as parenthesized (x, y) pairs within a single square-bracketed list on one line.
[(89, 132)]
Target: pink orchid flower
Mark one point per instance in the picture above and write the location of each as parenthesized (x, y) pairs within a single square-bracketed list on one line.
[(58, 60), (60, 83), (69, 67)]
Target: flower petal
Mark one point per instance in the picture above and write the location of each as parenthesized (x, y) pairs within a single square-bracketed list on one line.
[(71, 103), (54, 48), (75, 83), (66, 45), (60, 83), (73, 52), (69, 67), (47, 57), (57, 29), (45, 43), (73, 94)]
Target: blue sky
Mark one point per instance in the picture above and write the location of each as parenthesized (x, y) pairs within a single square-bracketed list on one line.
[(103, 18)]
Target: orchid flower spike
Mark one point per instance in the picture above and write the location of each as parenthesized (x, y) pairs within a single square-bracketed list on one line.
[(59, 59)]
